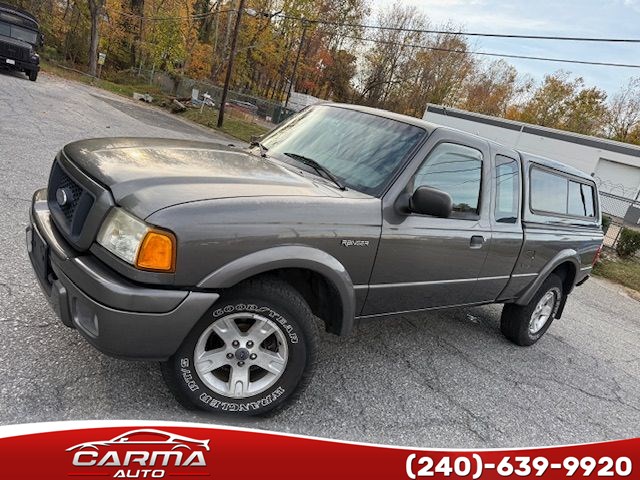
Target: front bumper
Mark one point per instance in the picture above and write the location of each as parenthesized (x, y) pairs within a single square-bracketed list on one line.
[(18, 64), (118, 317)]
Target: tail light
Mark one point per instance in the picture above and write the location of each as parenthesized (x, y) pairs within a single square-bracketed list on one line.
[(596, 257)]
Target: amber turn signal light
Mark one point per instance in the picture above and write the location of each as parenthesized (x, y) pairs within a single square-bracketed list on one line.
[(157, 252)]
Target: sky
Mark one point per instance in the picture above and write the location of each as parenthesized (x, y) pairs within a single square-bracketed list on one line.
[(584, 18)]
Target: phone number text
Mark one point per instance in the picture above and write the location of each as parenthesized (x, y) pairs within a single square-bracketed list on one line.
[(473, 466)]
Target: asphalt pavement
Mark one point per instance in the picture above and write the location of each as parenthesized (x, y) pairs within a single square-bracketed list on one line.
[(440, 379)]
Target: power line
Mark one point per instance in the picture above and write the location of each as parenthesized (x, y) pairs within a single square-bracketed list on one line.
[(202, 16), (443, 32), (197, 16), (466, 34), (493, 54)]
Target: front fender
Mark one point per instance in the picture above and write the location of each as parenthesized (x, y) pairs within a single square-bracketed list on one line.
[(567, 255), (289, 256)]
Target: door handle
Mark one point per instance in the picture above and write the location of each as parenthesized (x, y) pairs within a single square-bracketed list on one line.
[(477, 241)]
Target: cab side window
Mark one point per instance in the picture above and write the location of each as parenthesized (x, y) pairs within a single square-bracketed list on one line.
[(457, 170), (507, 189)]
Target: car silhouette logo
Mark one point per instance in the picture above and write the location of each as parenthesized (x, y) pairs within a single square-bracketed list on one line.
[(146, 436)]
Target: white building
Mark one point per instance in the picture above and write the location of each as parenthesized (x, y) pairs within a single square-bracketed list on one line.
[(298, 101), (614, 165)]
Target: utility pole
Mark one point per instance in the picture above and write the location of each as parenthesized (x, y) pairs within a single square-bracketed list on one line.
[(232, 54), (214, 60), (305, 24)]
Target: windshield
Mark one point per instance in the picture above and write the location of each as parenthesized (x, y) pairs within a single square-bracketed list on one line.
[(18, 33), (362, 150)]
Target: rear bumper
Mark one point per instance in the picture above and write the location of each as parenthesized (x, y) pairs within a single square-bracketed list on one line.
[(18, 65), (582, 276), (116, 316)]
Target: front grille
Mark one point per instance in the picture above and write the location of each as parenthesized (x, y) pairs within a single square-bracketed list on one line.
[(76, 190), (69, 216), (14, 51)]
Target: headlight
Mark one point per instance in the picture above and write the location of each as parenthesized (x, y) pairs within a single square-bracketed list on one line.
[(137, 243)]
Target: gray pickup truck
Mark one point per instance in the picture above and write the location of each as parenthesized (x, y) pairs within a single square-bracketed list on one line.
[(219, 261)]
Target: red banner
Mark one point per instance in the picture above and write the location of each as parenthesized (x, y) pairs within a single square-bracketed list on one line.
[(90, 450)]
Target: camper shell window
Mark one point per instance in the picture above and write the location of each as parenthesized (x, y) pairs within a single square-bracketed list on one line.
[(557, 194)]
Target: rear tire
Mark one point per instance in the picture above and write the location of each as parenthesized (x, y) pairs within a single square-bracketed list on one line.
[(253, 352), (33, 75), (524, 325)]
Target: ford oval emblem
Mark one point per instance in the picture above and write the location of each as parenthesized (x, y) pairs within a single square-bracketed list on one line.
[(62, 197)]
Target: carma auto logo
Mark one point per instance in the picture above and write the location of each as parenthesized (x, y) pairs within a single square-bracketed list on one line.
[(144, 453)]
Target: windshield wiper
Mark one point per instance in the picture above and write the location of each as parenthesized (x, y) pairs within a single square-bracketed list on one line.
[(318, 168), (263, 149)]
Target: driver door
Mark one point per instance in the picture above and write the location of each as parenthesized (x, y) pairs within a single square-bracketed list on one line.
[(423, 261)]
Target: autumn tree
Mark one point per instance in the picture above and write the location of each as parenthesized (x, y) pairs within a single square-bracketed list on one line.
[(95, 10), (328, 67), (491, 89), (390, 52), (623, 118), (134, 24), (341, 67), (634, 135), (564, 102), (587, 112), (435, 75), (549, 103)]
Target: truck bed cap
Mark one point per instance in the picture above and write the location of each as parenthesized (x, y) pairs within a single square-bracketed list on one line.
[(556, 165)]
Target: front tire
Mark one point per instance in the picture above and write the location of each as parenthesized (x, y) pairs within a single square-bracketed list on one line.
[(252, 353), (524, 325), (33, 75)]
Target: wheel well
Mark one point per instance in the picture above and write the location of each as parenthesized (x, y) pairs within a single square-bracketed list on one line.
[(567, 272), (319, 293)]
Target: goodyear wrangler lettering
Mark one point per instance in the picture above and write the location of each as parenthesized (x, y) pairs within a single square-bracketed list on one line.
[(242, 407)]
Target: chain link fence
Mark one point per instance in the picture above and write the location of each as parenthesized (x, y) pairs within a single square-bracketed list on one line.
[(622, 213), (266, 112)]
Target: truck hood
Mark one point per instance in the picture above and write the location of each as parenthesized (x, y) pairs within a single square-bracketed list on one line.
[(147, 175)]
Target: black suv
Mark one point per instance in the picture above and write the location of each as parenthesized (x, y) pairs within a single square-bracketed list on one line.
[(19, 37)]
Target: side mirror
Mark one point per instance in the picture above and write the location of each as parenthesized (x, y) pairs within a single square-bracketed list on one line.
[(41, 40), (431, 201)]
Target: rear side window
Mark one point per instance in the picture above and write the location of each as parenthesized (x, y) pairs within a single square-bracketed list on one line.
[(580, 200), (507, 189), (555, 193)]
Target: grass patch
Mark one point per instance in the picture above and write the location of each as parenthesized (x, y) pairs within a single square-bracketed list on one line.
[(625, 272), (234, 126), (124, 89)]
